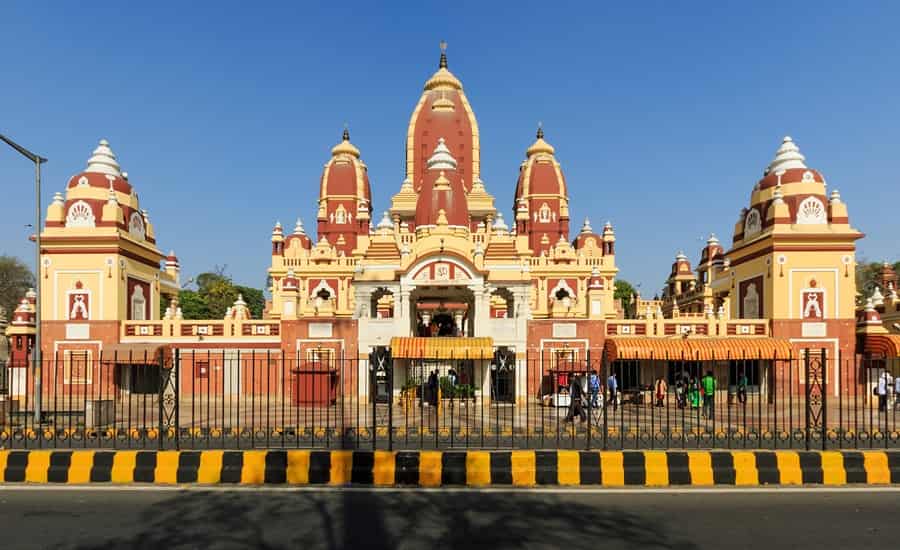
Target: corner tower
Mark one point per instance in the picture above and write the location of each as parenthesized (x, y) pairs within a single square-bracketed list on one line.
[(792, 258), (99, 258), (345, 198), (541, 205)]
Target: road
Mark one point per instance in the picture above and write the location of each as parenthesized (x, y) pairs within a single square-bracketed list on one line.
[(413, 519)]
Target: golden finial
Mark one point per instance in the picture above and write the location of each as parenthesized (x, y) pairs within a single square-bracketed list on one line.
[(346, 136), (443, 64), (540, 130)]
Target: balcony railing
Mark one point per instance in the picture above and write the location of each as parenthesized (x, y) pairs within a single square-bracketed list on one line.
[(180, 329)]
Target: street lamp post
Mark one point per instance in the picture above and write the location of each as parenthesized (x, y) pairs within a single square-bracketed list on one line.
[(37, 160)]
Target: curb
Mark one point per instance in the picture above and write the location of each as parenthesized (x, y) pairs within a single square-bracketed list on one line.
[(455, 468)]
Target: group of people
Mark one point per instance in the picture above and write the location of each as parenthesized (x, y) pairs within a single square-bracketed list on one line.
[(696, 392), (433, 382), (584, 392), (886, 388)]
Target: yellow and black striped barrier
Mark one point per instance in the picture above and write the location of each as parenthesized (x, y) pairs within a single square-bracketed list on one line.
[(455, 468)]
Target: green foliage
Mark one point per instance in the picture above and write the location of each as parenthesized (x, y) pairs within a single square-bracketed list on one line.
[(215, 294), (867, 275), (193, 305), (457, 391), (15, 280), (219, 294), (624, 291)]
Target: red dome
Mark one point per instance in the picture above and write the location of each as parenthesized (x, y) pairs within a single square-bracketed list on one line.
[(339, 178), (792, 175), (95, 179), (442, 112)]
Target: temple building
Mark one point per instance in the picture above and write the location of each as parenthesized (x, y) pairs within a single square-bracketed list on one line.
[(441, 273)]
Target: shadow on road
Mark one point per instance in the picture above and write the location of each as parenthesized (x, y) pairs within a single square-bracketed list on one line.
[(335, 520)]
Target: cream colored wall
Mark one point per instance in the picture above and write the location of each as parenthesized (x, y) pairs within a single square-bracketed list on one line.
[(104, 276)]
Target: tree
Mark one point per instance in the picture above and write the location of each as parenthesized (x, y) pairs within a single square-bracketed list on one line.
[(15, 280), (624, 292), (867, 277), (193, 305), (220, 295)]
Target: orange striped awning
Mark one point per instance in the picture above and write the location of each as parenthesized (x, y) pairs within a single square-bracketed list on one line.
[(885, 345), (417, 347), (697, 349)]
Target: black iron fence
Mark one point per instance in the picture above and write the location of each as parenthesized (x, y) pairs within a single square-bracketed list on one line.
[(229, 399)]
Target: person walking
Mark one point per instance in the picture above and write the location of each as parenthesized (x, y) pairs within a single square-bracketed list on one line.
[(660, 389), (576, 394), (708, 385), (742, 388), (881, 390), (594, 387), (679, 392), (612, 386), (433, 388), (896, 392), (694, 393)]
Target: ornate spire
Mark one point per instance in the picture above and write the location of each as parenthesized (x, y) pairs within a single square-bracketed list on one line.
[(540, 146), (298, 228), (586, 226), (787, 157), (103, 161), (385, 222), (443, 78), (345, 147), (499, 224), (441, 159)]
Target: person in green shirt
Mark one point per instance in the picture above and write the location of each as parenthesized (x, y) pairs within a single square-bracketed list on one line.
[(708, 385)]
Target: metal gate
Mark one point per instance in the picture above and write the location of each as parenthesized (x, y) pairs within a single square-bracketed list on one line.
[(381, 397), (816, 370)]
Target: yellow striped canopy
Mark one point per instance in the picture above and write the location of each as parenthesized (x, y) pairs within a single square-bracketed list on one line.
[(417, 347)]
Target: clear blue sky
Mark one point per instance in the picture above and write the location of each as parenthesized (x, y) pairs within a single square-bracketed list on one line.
[(663, 114)]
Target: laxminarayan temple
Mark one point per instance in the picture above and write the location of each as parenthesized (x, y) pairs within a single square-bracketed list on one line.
[(442, 273)]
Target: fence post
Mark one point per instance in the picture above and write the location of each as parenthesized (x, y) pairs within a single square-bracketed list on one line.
[(606, 398), (390, 401), (824, 390)]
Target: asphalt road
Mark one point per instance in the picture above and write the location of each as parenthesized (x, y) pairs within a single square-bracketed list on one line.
[(332, 519)]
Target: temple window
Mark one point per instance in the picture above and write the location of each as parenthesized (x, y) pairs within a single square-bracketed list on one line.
[(138, 304), (136, 225)]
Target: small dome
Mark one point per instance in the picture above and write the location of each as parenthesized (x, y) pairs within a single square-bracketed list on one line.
[(540, 146), (345, 147), (103, 161), (499, 224), (345, 174), (385, 222), (441, 159), (586, 226), (443, 78), (787, 157)]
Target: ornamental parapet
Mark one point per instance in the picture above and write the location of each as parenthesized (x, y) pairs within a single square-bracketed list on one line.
[(179, 330), (688, 326)]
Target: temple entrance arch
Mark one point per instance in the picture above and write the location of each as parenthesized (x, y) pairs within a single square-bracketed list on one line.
[(445, 296)]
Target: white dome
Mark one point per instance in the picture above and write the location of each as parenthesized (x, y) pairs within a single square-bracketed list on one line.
[(787, 157), (103, 161)]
